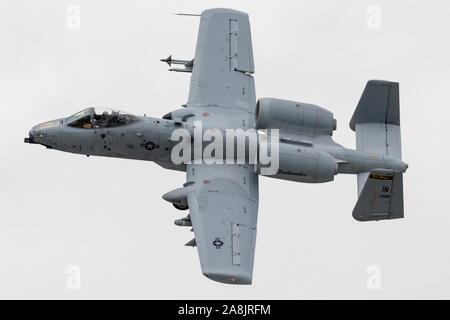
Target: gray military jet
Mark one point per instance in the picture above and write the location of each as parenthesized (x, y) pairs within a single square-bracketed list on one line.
[(222, 198)]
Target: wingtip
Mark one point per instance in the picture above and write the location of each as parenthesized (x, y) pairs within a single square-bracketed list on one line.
[(234, 278)]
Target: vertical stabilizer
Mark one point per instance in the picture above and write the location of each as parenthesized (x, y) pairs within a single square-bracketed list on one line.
[(381, 197)]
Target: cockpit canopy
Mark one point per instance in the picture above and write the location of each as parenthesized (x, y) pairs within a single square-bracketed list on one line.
[(95, 118)]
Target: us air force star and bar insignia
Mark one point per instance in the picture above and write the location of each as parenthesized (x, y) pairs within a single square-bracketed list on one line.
[(217, 243)]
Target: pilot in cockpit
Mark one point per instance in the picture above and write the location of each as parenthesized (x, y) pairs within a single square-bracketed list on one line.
[(89, 119)]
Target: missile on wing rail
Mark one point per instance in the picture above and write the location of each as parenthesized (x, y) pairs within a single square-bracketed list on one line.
[(188, 64)]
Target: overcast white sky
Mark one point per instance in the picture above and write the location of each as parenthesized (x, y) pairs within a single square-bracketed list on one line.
[(107, 217)]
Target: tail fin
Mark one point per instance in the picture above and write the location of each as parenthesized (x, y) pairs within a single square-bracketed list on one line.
[(381, 197), (376, 122)]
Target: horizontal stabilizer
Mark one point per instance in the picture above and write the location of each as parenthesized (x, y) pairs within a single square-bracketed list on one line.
[(381, 197), (376, 122)]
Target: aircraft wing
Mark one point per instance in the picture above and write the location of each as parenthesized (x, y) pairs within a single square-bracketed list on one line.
[(223, 61), (224, 204), (224, 210)]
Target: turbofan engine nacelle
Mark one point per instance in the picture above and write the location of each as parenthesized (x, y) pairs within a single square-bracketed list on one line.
[(295, 117), (305, 164)]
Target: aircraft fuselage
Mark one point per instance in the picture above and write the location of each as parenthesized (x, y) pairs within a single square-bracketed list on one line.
[(147, 138)]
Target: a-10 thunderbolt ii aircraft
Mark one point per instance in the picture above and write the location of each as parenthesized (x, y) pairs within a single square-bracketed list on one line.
[(222, 198)]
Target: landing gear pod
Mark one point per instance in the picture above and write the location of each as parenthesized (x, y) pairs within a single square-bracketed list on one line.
[(178, 197)]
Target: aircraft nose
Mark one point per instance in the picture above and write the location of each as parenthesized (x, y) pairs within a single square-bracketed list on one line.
[(31, 136), (35, 134), (43, 133)]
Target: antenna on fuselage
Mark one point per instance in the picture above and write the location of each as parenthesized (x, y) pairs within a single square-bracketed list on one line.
[(187, 14)]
